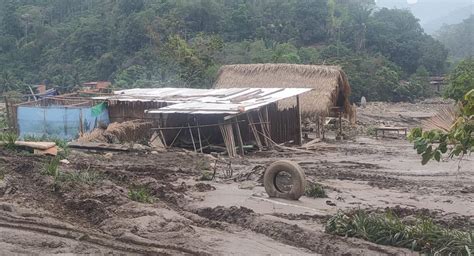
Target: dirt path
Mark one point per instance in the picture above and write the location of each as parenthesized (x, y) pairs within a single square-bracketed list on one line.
[(80, 218)]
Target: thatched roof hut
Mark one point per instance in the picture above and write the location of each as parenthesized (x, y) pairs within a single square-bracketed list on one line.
[(331, 87)]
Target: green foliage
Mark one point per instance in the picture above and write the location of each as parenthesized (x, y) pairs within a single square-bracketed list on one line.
[(88, 177), (458, 141), (141, 194), (458, 39), (51, 168), (2, 173), (206, 176), (461, 80), (183, 43), (315, 190), (9, 138), (387, 229)]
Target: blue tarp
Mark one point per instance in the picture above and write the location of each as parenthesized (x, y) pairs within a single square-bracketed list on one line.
[(58, 121)]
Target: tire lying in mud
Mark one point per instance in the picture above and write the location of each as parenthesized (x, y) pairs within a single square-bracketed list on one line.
[(298, 180)]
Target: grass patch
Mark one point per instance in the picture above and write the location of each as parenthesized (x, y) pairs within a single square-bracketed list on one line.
[(51, 168), (387, 229), (315, 190), (206, 176), (371, 131), (141, 194), (2, 173), (90, 178), (9, 138)]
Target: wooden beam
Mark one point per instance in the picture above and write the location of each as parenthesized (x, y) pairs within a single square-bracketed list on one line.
[(9, 121), (192, 137), (239, 137), (299, 136), (254, 131), (199, 133)]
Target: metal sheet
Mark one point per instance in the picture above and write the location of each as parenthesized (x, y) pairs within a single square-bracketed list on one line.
[(207, 101)]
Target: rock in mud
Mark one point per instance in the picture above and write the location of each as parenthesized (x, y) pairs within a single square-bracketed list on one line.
[(203, 187), (247, 184)]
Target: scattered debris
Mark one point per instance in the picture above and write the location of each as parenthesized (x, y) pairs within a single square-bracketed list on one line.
[(99, 146)]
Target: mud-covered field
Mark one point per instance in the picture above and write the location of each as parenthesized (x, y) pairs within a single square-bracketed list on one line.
[(229, 215)]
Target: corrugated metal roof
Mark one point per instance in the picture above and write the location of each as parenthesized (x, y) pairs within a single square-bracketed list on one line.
[(208, 101)]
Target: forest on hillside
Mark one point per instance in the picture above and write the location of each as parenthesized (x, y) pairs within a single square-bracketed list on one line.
[(153, 43), (458, 38)]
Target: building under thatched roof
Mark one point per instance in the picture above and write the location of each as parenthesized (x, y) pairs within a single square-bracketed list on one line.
[(330, 85)]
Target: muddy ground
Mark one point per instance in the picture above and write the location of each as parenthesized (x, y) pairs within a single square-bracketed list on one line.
[(230, 215)]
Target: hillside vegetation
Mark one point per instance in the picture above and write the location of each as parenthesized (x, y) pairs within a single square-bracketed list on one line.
[(459, 39), (145, 43)]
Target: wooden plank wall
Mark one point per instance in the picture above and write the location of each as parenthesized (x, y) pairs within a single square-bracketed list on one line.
[(284, 124), (126, 111)]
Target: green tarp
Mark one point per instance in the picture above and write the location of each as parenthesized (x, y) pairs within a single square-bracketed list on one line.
[(98, 109)]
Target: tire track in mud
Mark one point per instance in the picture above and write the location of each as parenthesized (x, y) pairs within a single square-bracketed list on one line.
[(295, 235), (127, 243), (353, 171)]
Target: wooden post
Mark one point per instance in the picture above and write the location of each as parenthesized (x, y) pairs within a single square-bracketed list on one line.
[(298, 140), (239, 137), (323, 131), (265, 131), (340, 122), (192, 137), (161, 131), (199, 133), (81, 124), (254, 132), (176, 137), (228, 137), (9, 121)]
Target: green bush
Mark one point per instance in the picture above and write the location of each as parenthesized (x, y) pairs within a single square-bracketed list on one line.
[(51, 168), (315, 190), (206, 176), (461, 80), (141, 194), (9, 138), (2, 172), (387, 229)]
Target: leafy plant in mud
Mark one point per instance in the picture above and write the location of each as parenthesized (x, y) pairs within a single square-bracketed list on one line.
[(141, 194), (88, 177), (2, 172), (457, 141), (315, 190), (9, 139), (371, 131), (206, 176), (387, 229), (51, 168)]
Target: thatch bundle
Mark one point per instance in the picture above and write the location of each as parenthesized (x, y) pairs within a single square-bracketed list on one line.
[(331, 87), (130, 131), (443, 120)]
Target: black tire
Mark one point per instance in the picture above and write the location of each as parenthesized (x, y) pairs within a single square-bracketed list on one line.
[(298, 180)]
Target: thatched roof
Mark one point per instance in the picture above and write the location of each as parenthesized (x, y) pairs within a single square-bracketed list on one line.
[(329, 83)]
